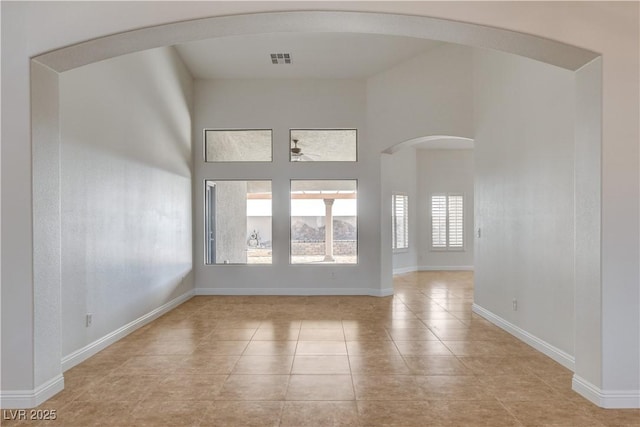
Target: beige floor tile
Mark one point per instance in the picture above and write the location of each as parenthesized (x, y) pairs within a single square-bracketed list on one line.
[(478, 348), (309, 348), (85, 414), (187, 387), (416, 323), (412, 334), (307, 334), (436, 365), (271, 348), (444, 324), (321, 364), (244, 360), (263, 365), (391, 413), (372, 348), (231, 335), (206, 364), (378, 365), (551, 413), (320, 387), (238, 323), (422, 348), (427, 316), (277, 334), (243, 414), (121, 388), (387, 387), (319, 414), (366, 334), (611, 417), (221, 348), (453, 387), (321, 324), (167, 413), (494, 365), (489, 413), (254, 387), (518, 387)]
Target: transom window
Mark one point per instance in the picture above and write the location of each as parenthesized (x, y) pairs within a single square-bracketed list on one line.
[(238, 145), (323, 145)]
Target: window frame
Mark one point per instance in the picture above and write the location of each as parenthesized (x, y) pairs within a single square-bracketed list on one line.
[(394, 223), (212, 182), (357, 240), (447, 247)]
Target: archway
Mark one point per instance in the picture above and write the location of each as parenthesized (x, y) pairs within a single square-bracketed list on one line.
[(45, 122)]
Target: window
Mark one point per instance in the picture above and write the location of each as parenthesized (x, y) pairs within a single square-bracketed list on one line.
[(254, 145), (323, 145), (238, 222), (447, 221), (324, 222), (400, 222)]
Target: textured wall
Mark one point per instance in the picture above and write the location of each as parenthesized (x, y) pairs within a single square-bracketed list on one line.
[(125, 191), (524, 194)]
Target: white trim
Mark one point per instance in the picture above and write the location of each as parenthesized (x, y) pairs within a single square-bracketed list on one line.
[(78, 356), (404, 270), (610, 399), (295, 291), (445, 268), (563, 358), (24, 399)]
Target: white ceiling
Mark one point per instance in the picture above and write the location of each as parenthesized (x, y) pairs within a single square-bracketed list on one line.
[(314, 55)]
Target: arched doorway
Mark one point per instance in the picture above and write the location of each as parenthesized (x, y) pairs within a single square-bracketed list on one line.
[(46, 200)]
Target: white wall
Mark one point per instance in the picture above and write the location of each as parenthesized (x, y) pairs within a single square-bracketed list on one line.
[(611, 29), (524, 194), (444, 171), (125, 191), (430, 94), (399, 176), (281, 105)]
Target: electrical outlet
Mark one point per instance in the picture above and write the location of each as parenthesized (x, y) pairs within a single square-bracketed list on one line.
[(479, 232), (515, 304), (88, 319)]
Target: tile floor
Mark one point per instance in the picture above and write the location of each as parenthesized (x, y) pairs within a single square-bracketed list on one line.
[(419, 358)]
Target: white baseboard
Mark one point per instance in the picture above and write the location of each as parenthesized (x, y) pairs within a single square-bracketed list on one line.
[(609, 399), (542, 346), (445, 268), (295, 291), (23, 399), (89, 350)]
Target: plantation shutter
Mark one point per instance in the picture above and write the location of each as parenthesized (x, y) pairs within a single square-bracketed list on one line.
[(400, 225), (447, 221), (439, 221)]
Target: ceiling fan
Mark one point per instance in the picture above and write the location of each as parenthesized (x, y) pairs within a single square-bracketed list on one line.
[(297, 155)]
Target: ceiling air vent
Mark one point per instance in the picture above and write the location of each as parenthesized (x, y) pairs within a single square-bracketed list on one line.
[(280, 58)]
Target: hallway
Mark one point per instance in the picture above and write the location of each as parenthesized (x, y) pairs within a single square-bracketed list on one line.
[(419, 358)]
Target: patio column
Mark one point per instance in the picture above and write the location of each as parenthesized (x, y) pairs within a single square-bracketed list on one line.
[(328, 230)]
